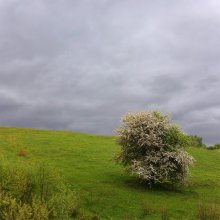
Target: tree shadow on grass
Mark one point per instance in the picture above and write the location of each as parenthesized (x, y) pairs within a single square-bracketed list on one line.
[(140, 185)]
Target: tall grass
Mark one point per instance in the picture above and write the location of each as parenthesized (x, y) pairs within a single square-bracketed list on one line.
[(164, 214), (209, 211)]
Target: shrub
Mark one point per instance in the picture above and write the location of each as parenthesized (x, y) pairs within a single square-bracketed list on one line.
[(152, 148), (38, 193), (217, 146), (214, 147), (196, 141)]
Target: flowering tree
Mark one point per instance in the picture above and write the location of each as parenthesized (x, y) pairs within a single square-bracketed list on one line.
[(152, 148)]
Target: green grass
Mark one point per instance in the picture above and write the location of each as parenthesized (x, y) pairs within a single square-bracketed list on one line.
[(105, 190)]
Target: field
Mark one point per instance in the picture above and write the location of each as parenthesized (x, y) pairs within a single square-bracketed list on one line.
[(105, 190)]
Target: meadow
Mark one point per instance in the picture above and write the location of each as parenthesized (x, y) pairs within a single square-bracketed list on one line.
[(104, 189)]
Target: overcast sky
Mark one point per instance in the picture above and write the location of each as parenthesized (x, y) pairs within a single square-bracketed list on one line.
[(81, 64)]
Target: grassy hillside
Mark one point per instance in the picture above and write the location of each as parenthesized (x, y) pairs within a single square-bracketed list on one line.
[(105, 190)]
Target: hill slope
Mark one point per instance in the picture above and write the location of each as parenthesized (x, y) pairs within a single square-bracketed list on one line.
[(105, 189)]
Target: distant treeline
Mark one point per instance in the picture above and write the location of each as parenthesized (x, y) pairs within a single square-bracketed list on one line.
[(197, 141)]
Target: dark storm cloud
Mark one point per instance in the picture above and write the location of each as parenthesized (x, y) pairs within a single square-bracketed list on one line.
[(80, 65)]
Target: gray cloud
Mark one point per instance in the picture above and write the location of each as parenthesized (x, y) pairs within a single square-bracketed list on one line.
[(80, 65)]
